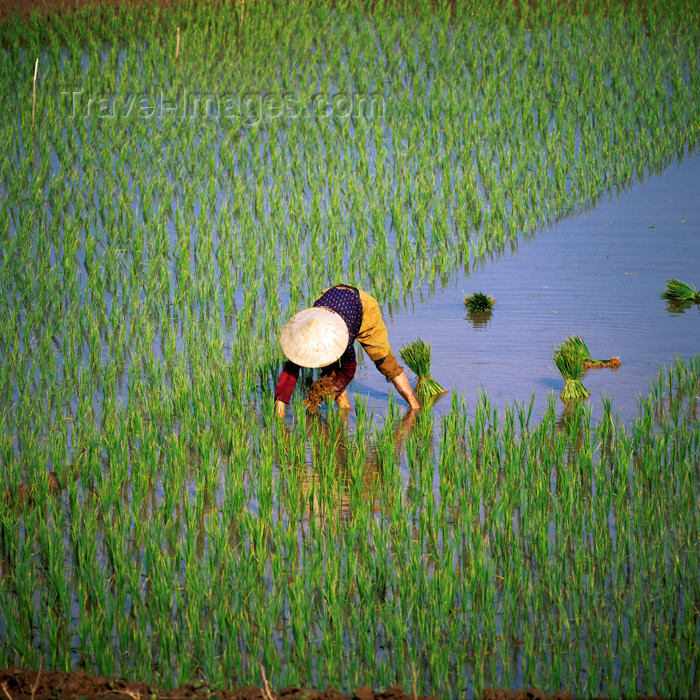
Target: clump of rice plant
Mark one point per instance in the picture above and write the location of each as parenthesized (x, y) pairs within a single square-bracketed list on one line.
[(321, 390), (569, 359), (479, 302), (680, 291), (417, 356)]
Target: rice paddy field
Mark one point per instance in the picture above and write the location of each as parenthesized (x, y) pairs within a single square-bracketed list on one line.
[(176, 182)]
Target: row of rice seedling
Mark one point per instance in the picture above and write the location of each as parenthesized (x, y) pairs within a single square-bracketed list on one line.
[(153, 240), (487, 162), (549, 553)]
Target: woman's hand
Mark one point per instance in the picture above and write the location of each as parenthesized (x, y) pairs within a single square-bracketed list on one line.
[(279, 408), (342, 400), (403, 386)]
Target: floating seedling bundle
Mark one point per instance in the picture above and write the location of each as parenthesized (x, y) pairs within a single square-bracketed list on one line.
[(580, 346), (611, 363), (417, 356), (479, 302), (680, 291), (569, 359)]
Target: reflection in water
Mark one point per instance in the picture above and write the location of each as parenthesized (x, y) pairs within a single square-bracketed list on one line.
[(680, 306), (340, 469), (573, 424), (480, 319)]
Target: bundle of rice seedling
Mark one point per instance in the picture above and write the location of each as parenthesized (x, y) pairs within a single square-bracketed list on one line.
[(680, 291), (417, 356), (577, 344), (568, 358), (479, 302), (321, 390), (611, 363)]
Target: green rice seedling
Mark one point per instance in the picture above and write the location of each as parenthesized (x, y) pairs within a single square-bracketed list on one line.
[(417, 356), (576, 345), (479, 302), (680, 291), (568, 358)]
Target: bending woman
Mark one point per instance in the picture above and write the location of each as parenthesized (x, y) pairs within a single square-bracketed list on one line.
[(324, 336)]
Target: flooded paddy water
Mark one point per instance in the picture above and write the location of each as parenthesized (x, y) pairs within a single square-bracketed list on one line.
[(598, 274)]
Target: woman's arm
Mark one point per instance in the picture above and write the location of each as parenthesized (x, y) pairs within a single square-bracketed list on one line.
[(285, 386), (403, 386), (374, 338)]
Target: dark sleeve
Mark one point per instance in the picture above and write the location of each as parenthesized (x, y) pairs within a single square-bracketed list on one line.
[(344, 375), (286, 382)]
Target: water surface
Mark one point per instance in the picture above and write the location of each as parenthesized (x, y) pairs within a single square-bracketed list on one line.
[(598, 274)]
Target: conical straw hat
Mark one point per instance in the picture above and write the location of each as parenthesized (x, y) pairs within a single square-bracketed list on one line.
[(314, 337)]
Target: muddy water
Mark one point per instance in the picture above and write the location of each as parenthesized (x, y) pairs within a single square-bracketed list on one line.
[(599, 274)]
